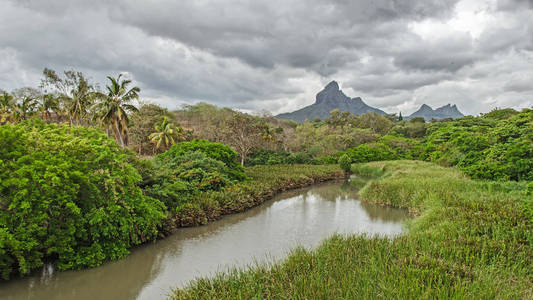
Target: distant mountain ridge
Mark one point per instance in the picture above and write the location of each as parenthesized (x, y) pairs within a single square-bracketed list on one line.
[(446, 111), (330, 98)]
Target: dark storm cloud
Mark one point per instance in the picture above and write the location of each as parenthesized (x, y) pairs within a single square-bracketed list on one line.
[(277, 54), (297, 33)]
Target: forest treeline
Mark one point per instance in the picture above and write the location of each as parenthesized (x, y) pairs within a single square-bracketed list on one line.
[(86, 173), (496, 145)]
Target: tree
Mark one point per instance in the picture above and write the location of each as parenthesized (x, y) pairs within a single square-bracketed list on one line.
[(243, 133), (417, 120), (166, 134), (68, 195), (48, 103), (376, 122), (25, 103), (7, 103), (400, 118), (345, 163), (113, 108), (338, 119), (142, 125), (76, 94)]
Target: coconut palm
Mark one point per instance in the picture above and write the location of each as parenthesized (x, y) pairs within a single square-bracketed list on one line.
[(78, 102), (113, 108), (25, 107), (76, 94), (48, 104), (166, 134)]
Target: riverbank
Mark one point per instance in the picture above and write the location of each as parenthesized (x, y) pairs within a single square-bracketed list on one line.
[(471, 239), (264, 183)]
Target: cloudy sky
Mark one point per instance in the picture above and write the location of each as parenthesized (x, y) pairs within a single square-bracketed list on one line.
[(277, 54)]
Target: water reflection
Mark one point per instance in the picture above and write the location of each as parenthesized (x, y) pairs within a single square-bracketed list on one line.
[(301, 217)]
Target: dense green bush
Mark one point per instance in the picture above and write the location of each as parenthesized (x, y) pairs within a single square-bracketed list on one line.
[(500, 114), (345, 163), (177, 180), (496, 146), (485, 147), (69, 194), (267, 157), (386, 148), (264, 182), (271, 157), (213, 150), (409, 129), (370, 152)]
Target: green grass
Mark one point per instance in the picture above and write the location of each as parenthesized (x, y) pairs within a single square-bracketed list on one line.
[(470, 240)]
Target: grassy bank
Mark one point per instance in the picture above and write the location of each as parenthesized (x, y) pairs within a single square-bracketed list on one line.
[(471, 239), (264, 183)]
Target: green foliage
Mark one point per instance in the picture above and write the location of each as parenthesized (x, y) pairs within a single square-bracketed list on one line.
[(345, 163), (213, 150), (271, 157), (267, 157), (178, 180), (369, 152), (485, 147), (500, 114), (386, 148), (409, 129), (142, 124), (68, 193), (265, 182)]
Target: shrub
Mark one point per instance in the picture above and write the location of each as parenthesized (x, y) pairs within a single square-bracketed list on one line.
[(485, 148), (178, 180), (345, 163), (271, 157), (213, 150), (369, 152), (68, 193), (267, 157)]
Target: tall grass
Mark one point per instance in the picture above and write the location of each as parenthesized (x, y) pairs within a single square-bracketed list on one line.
[(470, 240)]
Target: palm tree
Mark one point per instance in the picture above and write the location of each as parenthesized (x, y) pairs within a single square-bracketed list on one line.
[(26, 107), (76, 94), (113, 108), (49, 103), (6, 106), (166, 134), (77, 105)]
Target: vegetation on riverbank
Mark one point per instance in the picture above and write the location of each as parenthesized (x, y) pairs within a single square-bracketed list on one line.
[(264, 183), (470, 239), (73, 196), (68, 194)]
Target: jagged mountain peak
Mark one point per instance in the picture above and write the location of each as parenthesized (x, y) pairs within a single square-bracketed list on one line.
[(333, 85), (425, 107), (328, 99), (443, 112), (331, 93)]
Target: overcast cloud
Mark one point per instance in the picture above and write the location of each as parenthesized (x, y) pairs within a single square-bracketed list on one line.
[(277, 54)]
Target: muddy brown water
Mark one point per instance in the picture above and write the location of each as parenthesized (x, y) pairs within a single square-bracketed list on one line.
[(266, 233)]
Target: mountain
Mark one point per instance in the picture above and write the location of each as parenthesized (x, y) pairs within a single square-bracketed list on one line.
[(446, 111), (330, 98)]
